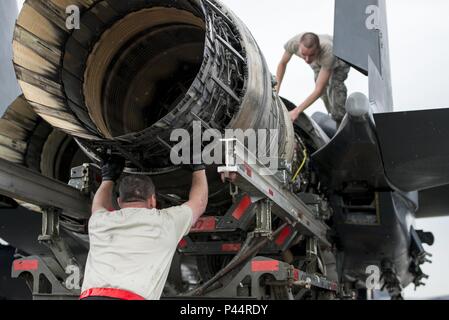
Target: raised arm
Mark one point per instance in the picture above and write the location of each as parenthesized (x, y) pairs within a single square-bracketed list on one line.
[(198, 194), (321, 84), (110, 172), (103, 197), (282, 67)]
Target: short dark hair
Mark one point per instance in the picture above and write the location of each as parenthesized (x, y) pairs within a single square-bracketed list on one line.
[(310, 40), (136, 188)]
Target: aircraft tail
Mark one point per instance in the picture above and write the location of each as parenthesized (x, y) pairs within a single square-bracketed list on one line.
[(412, 144), (361, 39)]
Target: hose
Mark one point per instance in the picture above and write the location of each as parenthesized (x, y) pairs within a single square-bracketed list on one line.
[(301, 166)]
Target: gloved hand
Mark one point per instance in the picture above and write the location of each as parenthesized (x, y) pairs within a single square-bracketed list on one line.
[(195, 154), (112, 168), (196, 167)]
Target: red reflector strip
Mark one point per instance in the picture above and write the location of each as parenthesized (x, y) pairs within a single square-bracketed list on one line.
[(280, 240), (271, 192), (205, 224), (241, 208), (264, 266), (182, 244), (231, 247), (295, 275), (25, 265), (248, 170)]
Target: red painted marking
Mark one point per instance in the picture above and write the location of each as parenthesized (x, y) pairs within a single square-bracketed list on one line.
[(25, 265), (248, 170), (241, 208), (205, 224), (231, 247), (271, 192), (280, 240), (295, 274), (264, 266), (182, 244)]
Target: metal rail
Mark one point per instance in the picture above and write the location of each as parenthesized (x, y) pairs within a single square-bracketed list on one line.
[(26, 185), (255, 178)]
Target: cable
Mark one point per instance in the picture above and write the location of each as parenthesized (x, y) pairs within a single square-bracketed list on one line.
[(301, 166)]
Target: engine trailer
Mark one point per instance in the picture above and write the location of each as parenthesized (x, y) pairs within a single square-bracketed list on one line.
[(261, 267)]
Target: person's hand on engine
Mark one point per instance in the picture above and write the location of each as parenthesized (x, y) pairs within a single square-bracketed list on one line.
[(294, 114), (112, 168), (196, 157)]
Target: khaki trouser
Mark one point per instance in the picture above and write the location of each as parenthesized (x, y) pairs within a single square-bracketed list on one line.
[(336, 93)]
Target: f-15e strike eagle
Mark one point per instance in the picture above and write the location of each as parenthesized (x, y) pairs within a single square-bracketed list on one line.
[(341, 206)]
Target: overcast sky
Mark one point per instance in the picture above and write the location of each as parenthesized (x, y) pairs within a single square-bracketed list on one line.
[(419, 51)]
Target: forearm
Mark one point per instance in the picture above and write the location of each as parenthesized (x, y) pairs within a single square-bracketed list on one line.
[(321, 84), (103, 196), (199, 190), (310, 100), (280, 73)]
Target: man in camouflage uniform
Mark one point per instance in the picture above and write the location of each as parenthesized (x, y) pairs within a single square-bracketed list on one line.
[(330, 73)]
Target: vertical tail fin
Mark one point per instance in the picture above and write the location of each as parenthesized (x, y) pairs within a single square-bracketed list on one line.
[(361, 39)]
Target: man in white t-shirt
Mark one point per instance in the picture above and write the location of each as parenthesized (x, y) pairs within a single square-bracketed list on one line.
[(131, 249), (330, 73)]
